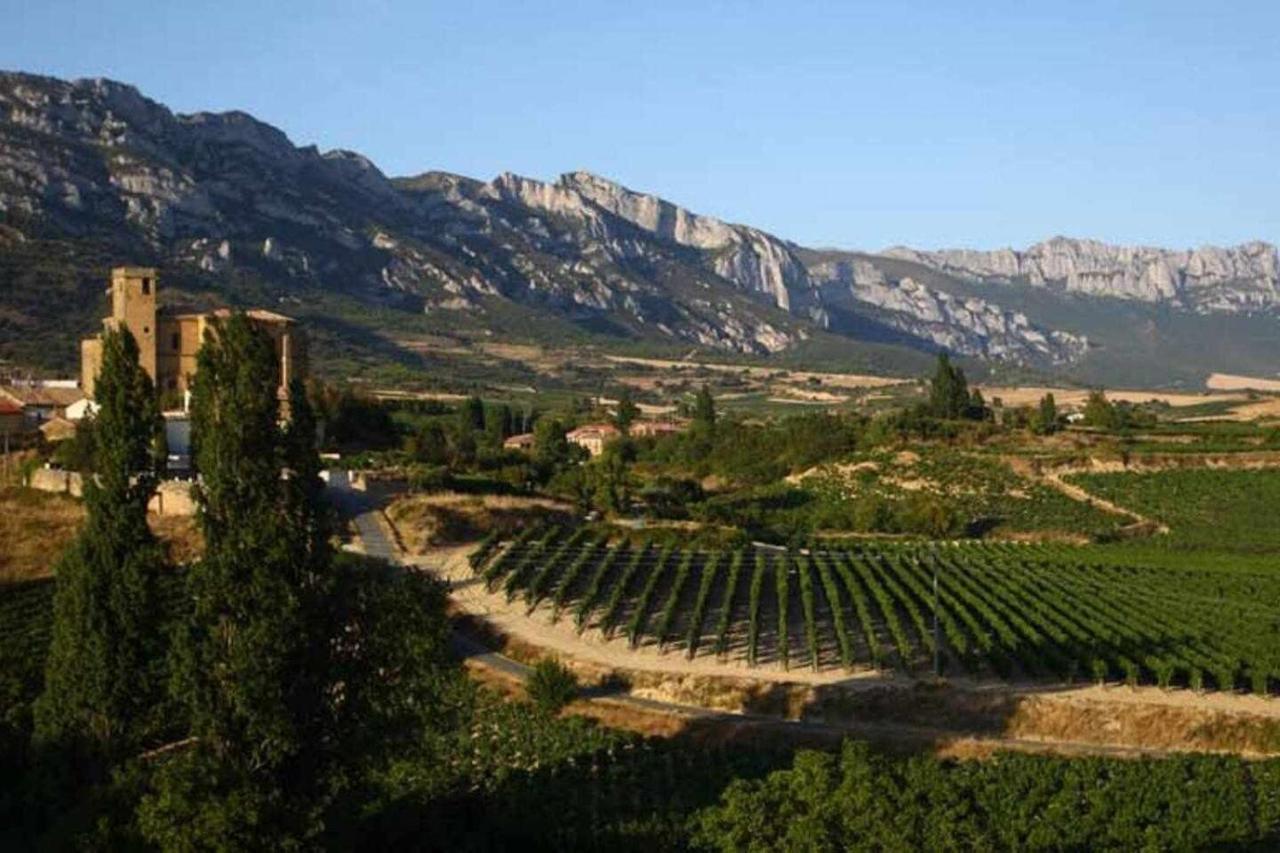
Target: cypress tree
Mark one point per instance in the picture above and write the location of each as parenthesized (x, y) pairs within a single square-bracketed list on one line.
[(471, 415), (949, 390), (627, 412), (704, 413), (101, 679)]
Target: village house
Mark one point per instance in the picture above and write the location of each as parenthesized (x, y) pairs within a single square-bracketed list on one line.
[(523, 441), (653, 429), (12, 419), (41, 402), (593, 437)]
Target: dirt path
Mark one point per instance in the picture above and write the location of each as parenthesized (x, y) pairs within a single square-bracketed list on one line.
[(1054, 480)]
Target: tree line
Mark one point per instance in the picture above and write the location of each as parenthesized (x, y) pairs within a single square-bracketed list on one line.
[(258, 714)]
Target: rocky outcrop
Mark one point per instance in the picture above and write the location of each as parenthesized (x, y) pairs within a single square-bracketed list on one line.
[(969, 326), (1240, 278), (223, 194)]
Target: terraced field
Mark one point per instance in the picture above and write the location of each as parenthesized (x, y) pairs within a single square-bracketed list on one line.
[(1052, 613)]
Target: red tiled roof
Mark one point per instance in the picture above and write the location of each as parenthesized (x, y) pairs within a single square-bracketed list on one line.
[(40, 395), (593, 430)]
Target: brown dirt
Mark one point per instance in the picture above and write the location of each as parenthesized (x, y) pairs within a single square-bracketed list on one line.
[(426, 521), (1234, 382), (35, 528), (1030, 395)]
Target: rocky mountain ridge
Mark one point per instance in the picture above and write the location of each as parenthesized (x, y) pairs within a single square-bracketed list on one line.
[(1207, 279), (225, 195)]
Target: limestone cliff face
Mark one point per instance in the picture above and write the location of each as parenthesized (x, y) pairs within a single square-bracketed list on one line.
[(222, 194), (1239, 278), (968, 326), (751, 259)]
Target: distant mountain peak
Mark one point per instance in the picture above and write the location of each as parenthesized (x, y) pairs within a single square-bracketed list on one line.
[(223, 195)]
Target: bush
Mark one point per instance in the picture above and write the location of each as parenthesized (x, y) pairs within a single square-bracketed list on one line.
[(551, 686)]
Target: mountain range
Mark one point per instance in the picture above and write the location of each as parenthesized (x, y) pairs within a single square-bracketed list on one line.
[(92, 173)]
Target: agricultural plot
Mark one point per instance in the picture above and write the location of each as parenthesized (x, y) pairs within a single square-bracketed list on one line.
[(1221, 510), (1049, 612), (982, 490)]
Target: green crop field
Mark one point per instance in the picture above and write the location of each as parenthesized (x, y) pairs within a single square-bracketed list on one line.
[(983, 492), (1048, 612), (1205, 509)]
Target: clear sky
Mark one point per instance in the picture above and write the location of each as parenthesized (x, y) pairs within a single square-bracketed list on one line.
[(843, 124)]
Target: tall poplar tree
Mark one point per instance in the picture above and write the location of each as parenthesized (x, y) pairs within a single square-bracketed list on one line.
[(627, 412), (245, 665), (949, 390), (101, 677)]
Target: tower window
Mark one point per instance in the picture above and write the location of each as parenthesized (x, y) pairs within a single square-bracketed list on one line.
[(146, 286), (176, 341)]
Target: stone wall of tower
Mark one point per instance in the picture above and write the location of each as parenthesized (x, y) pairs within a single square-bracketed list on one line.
[(133, 306), (90, 363)]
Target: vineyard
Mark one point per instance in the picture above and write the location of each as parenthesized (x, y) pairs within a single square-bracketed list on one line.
[(1205, 509), (1048, 612)]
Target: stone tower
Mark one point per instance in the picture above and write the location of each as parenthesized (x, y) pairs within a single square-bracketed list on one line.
[(133, 306)]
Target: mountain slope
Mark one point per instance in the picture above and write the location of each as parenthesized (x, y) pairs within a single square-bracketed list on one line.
[(92, 173)]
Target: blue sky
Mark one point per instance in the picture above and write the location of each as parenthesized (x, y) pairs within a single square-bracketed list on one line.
[(841, 124)]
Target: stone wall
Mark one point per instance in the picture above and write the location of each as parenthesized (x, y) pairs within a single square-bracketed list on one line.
[(53, 480), (172, 497)]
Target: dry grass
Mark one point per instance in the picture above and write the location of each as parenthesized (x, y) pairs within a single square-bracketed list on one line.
[(1233, 382), (1030, 395), (426, 521), (36, 527)]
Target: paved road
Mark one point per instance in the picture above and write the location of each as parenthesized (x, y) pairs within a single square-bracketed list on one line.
[(365, 516)]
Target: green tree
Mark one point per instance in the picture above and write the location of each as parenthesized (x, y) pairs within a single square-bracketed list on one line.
[(101, 682), (499, 422), (611, 478), (1046, 421), (1098, 411), (248, 665), (976, 410), (551, 686), (471, 415), (551, 449), (429, 445), (948, 390), (704, 413), (627, 411)]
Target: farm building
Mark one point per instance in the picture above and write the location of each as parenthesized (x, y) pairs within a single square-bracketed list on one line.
[(593, 437), (652, 428), (523, 441)]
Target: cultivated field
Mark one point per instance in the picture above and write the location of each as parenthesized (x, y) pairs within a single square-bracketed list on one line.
[(1005, 611)]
